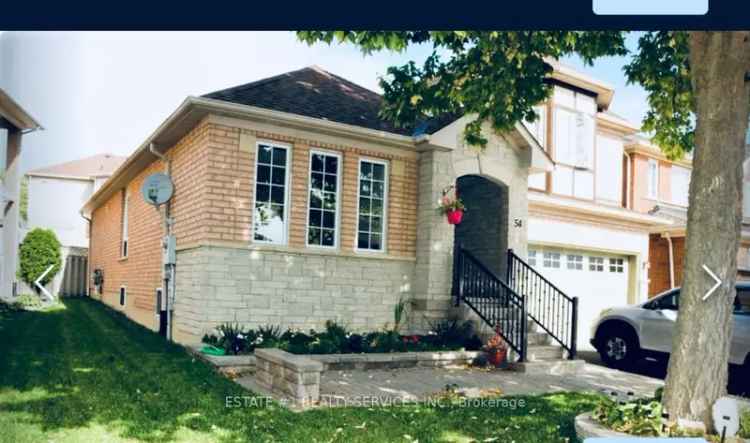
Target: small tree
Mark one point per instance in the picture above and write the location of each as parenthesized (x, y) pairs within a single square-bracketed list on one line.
[(39, 249)]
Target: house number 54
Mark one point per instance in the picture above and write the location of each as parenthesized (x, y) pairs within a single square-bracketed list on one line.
[(517, 222)]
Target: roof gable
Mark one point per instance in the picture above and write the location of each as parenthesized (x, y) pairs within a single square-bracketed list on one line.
[(101, 165)]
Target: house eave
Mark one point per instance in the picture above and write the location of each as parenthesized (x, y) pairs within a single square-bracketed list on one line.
[(16, 115), (194, 109), (594, 212)]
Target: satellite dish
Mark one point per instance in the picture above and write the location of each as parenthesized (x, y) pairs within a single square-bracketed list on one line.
[(726, 415), (157, 189)]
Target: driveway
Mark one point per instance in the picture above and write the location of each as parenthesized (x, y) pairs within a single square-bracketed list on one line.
[(739, 382)]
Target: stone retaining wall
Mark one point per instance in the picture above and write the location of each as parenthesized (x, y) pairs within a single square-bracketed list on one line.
[(288, 376)]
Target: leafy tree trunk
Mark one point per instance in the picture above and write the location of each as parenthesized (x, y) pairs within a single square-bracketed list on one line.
[(698, 370)]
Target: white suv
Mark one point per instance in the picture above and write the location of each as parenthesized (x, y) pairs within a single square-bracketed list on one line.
[(624, 335)]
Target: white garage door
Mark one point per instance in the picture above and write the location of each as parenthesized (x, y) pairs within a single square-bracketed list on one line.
[(599, 281)]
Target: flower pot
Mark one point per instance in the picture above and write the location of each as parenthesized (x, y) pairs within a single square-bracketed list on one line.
[(455, 216), (497, 357)]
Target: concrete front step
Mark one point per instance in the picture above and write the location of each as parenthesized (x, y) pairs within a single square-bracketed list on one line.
[(544, 352), (549, 367), (538, 338)]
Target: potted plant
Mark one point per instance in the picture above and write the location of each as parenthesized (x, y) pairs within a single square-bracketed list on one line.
[(496, 349), (452, 206)]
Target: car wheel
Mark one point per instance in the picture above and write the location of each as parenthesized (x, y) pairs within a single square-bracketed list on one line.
[(619, 348)]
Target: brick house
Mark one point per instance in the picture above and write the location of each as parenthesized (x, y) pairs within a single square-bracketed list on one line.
[(295, 203), (660, 187)]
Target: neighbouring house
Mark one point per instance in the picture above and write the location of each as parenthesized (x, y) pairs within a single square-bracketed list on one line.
[(15, 122), (660, 187), (55, 196), (583, 234), (296, 203)]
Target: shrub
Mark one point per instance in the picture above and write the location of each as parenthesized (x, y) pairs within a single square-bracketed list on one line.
[(450, 332), (745, 424), (232, 338), (29, 302), (641, 417), (39, 249)]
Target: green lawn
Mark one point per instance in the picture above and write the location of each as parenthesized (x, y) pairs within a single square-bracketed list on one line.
[(85, 373)]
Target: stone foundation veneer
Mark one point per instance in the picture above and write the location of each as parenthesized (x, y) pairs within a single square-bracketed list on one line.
[(256, 287)]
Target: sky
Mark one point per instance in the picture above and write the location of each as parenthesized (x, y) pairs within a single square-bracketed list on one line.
[(106, 92)]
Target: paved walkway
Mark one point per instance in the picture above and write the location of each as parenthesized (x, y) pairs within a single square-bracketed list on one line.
[(419, 383)]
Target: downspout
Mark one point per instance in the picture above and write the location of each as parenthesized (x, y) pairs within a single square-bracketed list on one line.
[(627, 180), (169, 269), (88, 255), (671, 260)]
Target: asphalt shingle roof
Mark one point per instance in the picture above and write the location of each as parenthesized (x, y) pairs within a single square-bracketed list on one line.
[(314, 92), (95, 166)]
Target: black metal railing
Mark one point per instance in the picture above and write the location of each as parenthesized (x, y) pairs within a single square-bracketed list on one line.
[(548, 306), (491, 299)]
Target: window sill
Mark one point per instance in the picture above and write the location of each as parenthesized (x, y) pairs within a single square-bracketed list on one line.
[(122, 259)]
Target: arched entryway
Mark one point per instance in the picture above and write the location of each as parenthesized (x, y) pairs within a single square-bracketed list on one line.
[(484, 228)]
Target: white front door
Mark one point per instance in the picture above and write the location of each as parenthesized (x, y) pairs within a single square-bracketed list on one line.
[(599, 281)]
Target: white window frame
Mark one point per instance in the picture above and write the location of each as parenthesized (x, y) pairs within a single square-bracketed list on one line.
[(616, 265), (287, 186), (549, 260), (339, 172), (122, 296), (596, 263), (386, 182), (124, 235), (652, 183), (532, 257), (574, 262), (675, 172)]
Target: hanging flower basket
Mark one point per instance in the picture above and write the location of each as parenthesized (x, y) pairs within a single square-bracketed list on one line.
[(452, 206), (455, 216)]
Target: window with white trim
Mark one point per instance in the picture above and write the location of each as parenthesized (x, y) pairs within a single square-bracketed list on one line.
[(124, 224), (323, 201), (373, 195), (653, 179), (616, 265), (680, 185), (551, 260), (270, 211), (123, 295), (532, 257), (596, 264), (575, 262)]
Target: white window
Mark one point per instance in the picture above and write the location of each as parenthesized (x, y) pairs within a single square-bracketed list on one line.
[(653, 179), (124, 234), (574, 134), (538, 128), (323, 199), (373, 195), (596, 264), (552, 260), (271, 182), (616, 265), (609, 169), (532, 257), (575, 262), (123, 295), (680, 185)]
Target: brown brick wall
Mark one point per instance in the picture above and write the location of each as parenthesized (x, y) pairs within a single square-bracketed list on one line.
[(230, 189), (213, 168), (140, 272), (658, 257)]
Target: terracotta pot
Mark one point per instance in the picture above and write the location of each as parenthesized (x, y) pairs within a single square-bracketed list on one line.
[(497, 357), (455, 216)]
